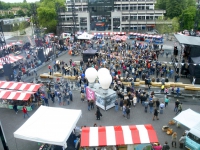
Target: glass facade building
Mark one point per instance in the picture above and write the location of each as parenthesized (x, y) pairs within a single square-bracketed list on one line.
[(111, 15)]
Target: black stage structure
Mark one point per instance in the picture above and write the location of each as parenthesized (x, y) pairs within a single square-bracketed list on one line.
[(188, 61), (88, 54)]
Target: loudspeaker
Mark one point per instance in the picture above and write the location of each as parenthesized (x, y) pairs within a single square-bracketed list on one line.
[(41, 55), (8, 72)]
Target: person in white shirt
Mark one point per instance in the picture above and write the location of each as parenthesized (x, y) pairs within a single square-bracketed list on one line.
[(193, 82)]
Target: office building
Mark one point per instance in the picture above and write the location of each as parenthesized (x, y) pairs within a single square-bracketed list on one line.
[(111, 15)]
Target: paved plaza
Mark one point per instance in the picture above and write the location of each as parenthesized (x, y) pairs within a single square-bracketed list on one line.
[(11, 121)]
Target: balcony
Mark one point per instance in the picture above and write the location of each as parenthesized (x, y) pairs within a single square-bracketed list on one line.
[(144, 11)]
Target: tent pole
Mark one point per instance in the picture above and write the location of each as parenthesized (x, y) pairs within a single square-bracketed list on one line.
[(16, 144)]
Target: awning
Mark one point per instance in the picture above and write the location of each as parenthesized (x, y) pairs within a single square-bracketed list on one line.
[(188, 40), (188, 118), (18, 95), (15, 95), (21, 86), (39, 126), (117, 135)]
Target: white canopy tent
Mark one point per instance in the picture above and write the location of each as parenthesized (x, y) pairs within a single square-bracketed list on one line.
[(49, 125), (188, 118), (85, 36)]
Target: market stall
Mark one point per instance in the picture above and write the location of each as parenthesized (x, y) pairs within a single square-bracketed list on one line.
[(39, 126), (186, 118), (127, 137)]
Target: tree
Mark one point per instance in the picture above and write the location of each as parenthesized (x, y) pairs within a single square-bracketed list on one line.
[(11, 15), (47, 14), (21, 13), (187, 18), (24, 1)]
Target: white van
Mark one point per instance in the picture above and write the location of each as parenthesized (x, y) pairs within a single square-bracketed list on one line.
[(193, 138)]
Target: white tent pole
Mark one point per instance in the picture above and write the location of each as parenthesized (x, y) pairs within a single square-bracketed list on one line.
[(16, 144)]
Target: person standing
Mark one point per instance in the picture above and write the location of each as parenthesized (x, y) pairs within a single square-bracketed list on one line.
[(157, 147), (124, 110), (166, 101), (176, 105), (155, 114), (174, 138), (15, 108), (70, 95), (24, 109), (116, 105), (52, 95), (146, 103), (166, 146), (89, 105), (162, 105), (182, 141), (98, 114), (151, 106), (127, 112)]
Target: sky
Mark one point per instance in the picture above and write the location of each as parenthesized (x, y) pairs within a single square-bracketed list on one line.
[(18, 1)]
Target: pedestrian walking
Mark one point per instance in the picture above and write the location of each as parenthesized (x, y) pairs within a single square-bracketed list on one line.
[(166, 101), (174, 138), (179, 108), (24, 109), (155, 115), (166, 146), (15, 108), (116, 105), (70, 95), (98, 114)]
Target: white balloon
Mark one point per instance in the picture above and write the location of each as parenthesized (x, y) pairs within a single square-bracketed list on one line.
[(91, 74), (102, 72), (105, 82)]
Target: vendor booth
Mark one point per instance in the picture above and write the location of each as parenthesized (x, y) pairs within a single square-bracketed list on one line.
[(102, 100), (188, 118), (90, 53), (49, 125), (121, 137)]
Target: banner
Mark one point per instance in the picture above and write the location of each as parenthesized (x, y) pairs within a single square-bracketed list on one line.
[(90, 94)]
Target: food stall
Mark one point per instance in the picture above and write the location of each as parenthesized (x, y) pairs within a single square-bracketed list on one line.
[(118, 137), (38, 127)]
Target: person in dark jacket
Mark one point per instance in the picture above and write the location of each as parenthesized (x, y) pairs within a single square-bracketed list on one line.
[(98, 114), (52, 95), (15, 108), (155, 115)]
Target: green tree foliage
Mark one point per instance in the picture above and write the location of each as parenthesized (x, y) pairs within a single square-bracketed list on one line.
[(47, 14), (187, 18), (21, 13)]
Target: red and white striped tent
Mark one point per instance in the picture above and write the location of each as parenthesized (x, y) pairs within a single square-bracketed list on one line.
[(20, 86), (10, 59), (118, 135), (15, 95)]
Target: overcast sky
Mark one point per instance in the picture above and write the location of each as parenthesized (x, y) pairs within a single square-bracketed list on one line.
[(18, 1)]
